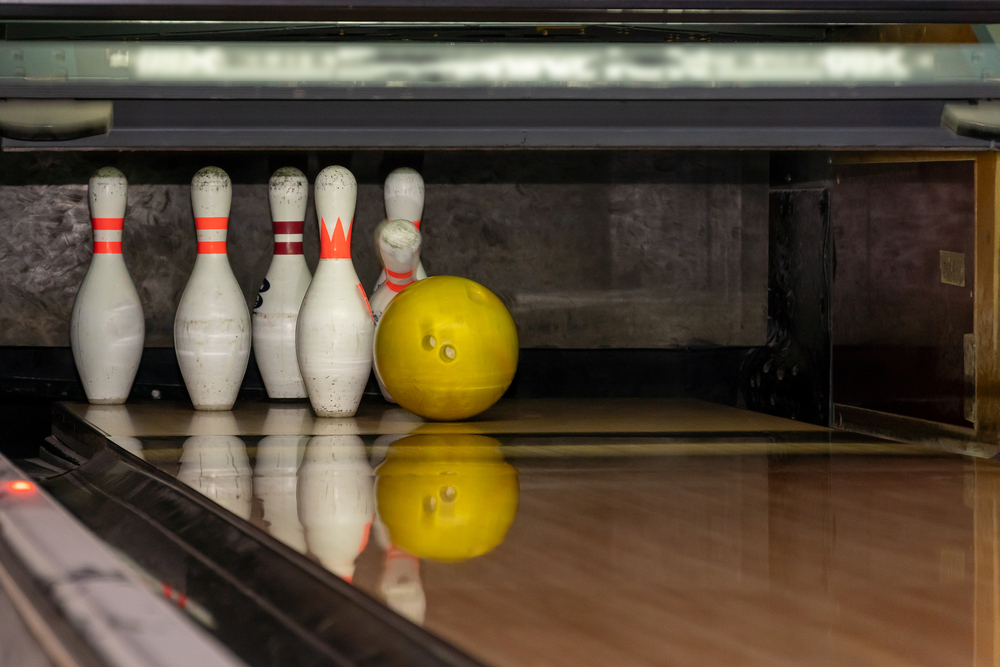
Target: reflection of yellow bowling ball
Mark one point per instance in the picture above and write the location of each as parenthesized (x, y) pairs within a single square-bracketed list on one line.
[(446, 497), (446, 348)]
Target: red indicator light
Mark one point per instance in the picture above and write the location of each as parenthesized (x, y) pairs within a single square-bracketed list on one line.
[(21, 486)]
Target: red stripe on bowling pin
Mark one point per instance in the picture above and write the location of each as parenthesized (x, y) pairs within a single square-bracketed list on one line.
[(398, 276), (406, 279), (364, 538), (365, 298), (108, 235), (288, 237), (212, 235), (288, 226), (109, 224), (107, 247), (211, 223)]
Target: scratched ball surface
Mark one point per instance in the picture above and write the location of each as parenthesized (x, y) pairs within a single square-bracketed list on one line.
[(446, 348)]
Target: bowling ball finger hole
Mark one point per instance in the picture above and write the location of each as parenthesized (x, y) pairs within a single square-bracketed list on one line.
[(430, 504), (476, 296), (448, 494), (429, 343), (448, 353)]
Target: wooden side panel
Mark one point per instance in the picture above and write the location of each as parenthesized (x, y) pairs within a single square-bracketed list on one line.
[(986, 646), (987, 299)]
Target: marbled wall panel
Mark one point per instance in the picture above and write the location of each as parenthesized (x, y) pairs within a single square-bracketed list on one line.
[(588, 249)]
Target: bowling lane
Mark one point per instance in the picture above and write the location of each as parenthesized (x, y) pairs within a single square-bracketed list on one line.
[(376, 417), (699, 543)]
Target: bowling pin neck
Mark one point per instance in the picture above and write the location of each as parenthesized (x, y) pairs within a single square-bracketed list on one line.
[(288, 237), (404, 195), (212, 233), (108, 236), (335, 238)]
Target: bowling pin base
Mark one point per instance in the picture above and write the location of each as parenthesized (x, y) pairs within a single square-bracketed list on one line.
[(214, 408), (292, 395), (106, 401), (335, 413)]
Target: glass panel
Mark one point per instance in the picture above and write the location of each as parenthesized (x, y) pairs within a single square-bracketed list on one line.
[(486, 65)]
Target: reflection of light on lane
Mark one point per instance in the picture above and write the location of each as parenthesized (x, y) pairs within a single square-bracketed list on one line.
[(274, 484), (423, 64), (336, 500), (217, 465)]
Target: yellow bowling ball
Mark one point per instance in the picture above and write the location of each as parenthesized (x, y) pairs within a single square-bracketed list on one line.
[(446, 497), (446, 348)]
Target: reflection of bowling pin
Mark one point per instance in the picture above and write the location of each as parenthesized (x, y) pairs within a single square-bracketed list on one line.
[(107, 329), (336, 500), (116, 421), (404, 200), (333, 336), (400, 584), (287, 419), (217, 466), (399, 246), (283, 288), (275, 482), (212, 325)]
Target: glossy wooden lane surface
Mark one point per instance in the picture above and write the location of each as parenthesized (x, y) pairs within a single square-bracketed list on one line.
[(646, 415), (717, 560), (729, 561), (725, 545)]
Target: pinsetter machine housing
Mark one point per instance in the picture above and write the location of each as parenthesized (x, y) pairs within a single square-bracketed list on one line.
[(791, 215), (787, 207)]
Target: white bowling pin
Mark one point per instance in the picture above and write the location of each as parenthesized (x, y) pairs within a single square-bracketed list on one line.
[(399, 246), (283, 288), (333, 335), (275, 484), (212, 325), (217, 466), (336, 499), (107, 329), (404, 200)]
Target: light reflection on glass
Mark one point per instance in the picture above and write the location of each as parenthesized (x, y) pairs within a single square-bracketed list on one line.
[(416, 64), (489, 64)]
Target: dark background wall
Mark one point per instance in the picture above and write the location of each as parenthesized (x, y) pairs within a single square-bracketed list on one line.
[(897, 328), (590, 249)]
